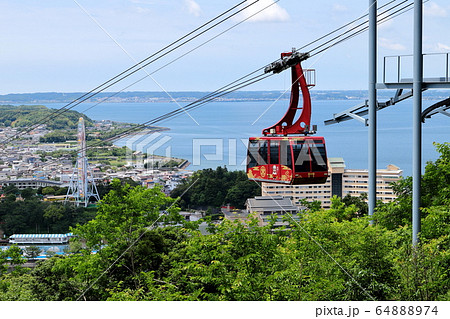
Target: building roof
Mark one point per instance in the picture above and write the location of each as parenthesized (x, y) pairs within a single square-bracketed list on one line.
[(336, 162), (28, 180), (270, 203), (235, 214), (17, 236)]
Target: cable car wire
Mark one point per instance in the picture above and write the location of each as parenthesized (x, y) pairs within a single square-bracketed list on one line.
[(136, 67), (240, 83), (184, 54), (220, 92), (232, 87), (77, 101), (344, 26), (364, 28), (227, 89)]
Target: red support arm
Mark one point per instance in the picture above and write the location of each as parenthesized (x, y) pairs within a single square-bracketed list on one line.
[(302, 126)]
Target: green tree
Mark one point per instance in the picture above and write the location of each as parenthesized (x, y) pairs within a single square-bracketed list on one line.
[(33, 215), (313, 206), (436, 180), (18, 288), (32, 252), (422, 271), (360, 203), (27, 193), (123, 220), (214, 188), (10, 189), (26, 115), (435, 191), (54, 211), (48, 190), (123, 213), (59, 136), (238, 193), (11, 258)]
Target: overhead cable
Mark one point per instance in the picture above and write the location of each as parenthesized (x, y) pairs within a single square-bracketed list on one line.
[(140, 65), (243, 82)]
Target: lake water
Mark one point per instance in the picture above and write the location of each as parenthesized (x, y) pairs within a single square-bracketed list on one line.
[(215, 132)]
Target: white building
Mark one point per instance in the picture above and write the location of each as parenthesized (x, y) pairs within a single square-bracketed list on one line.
[(29, 183), (341, 182)]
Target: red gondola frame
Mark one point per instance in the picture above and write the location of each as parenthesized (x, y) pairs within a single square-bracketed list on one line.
[(294, 172)]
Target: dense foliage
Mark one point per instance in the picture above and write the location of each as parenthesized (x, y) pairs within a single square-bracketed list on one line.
[(30, 214), (59, 136), (104, 154), (214, 188), (26, 115), (332, 254)]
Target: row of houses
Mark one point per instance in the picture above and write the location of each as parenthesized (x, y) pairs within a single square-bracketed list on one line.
[(22, 166), (167, 179)]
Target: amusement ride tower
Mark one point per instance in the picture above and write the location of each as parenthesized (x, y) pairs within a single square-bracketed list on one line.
[(82, 187)]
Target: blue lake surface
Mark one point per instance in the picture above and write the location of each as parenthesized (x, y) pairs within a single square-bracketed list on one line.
[(217, 132)]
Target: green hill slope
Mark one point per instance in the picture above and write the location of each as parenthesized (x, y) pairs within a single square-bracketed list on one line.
[(26, 115)]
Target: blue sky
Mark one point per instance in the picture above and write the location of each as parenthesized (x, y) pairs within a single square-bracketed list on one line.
[(74, 45)]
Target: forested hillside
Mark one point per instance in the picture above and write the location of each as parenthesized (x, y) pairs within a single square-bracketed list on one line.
[(26, 115), (210, 188)]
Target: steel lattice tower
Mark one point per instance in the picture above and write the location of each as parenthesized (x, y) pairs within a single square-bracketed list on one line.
[(82, 185)]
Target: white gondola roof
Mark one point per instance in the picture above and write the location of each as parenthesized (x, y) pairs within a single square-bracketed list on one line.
[(16, 236)]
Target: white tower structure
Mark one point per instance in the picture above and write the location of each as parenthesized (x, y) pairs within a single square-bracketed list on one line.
[(82, 186)]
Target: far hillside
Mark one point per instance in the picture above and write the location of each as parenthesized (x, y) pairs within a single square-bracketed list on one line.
[(26, 115)]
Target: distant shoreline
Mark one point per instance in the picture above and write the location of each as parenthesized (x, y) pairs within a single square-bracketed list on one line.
[(145, 131), (191, 96)]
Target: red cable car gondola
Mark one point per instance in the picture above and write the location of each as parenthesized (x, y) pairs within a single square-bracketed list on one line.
[(277, 156)]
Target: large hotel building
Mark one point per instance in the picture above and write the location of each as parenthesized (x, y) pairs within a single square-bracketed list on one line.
[(341, 182)]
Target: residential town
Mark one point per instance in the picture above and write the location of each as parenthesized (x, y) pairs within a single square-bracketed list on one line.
[(24, 163)]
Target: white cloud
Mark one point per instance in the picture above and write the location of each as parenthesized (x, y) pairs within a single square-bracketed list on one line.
[(389, 44), (273, 12), (432, 9), (193, 7)]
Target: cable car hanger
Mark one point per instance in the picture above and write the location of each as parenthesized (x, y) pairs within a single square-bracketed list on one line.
[(280, 157), (287, 126)]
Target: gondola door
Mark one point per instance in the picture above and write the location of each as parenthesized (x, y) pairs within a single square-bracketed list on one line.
[(280, 160), (274, 166)]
